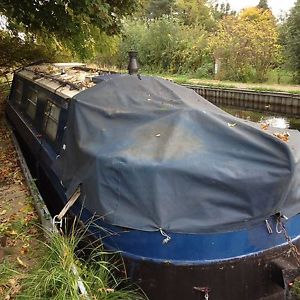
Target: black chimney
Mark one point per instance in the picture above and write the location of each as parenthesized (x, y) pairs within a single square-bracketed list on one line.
[(133, 67)]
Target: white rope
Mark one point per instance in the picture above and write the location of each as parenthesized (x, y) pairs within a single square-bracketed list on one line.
[(167, 237)]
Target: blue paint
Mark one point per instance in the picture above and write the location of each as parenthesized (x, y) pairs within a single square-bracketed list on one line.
[(190, 248)]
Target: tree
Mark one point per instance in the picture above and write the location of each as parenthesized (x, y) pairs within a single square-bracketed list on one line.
[(15, 52), (66, 17), (71, 22), (158, 8), (166, 45), (195, 12), (293, 40), (222, 10), (263, 4), (247, 45)]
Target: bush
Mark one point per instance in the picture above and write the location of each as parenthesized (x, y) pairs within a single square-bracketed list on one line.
[(205, 71), (165, 45)]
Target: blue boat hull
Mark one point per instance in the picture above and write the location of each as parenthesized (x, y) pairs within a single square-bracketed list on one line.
[(246, 264)]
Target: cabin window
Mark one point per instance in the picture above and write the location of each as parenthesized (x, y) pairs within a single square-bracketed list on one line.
[(51, 118), (19, 91), (31, 103)]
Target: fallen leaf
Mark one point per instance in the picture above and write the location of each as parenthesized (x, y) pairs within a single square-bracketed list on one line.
[(264, 126), (33, 231), (13, 232), (24, 249), (284, 136), (231, 124), (3, 212), (12, 282)]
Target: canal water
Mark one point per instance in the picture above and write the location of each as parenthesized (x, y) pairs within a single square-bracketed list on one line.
[(255, 116)]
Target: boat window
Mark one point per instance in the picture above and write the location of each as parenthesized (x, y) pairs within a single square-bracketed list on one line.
[(19, 91), (51, 118), (31, 103)]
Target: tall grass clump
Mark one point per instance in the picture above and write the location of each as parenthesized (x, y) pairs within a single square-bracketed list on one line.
[(55, 279)]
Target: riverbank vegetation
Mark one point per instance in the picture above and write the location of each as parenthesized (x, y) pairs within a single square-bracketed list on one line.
[(196, 38), (52, 275), (54, 278)]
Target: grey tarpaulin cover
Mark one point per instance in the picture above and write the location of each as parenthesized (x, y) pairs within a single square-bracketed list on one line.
[(152, 154)]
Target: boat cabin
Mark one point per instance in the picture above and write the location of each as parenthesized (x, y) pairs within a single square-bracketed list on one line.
[(39, 101)]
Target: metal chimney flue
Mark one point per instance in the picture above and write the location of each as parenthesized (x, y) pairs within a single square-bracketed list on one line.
[(133, 67)]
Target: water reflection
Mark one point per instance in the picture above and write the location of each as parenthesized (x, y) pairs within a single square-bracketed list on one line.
[(276, 122), (265, 118)]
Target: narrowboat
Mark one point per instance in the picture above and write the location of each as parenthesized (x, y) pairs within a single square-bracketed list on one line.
[(200, 204)]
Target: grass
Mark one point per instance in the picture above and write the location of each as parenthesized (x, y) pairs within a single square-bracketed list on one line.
[(278, 81), (280, 76), (295, 290), (54, 278)]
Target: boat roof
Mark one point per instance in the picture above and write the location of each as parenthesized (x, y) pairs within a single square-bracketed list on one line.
[(64, 79)]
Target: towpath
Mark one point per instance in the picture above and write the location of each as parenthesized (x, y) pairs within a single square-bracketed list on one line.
[(19, 234)]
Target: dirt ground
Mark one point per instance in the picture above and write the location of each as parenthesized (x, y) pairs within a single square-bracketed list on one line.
[(20, 235)]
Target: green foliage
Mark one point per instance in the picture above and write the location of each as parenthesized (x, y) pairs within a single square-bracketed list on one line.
[(293, 40), (79, 26), (165, 44), (66, 18), (190, 12), (16, 51), (195, 12), (263, 4), (246, 45), (154, 40), (158, 8), (205, 70), (175, 36), (295, 290), (55, 278), (280, 76), (222, 10)]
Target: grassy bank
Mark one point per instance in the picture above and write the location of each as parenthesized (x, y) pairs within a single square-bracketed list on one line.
[(268, 86)]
